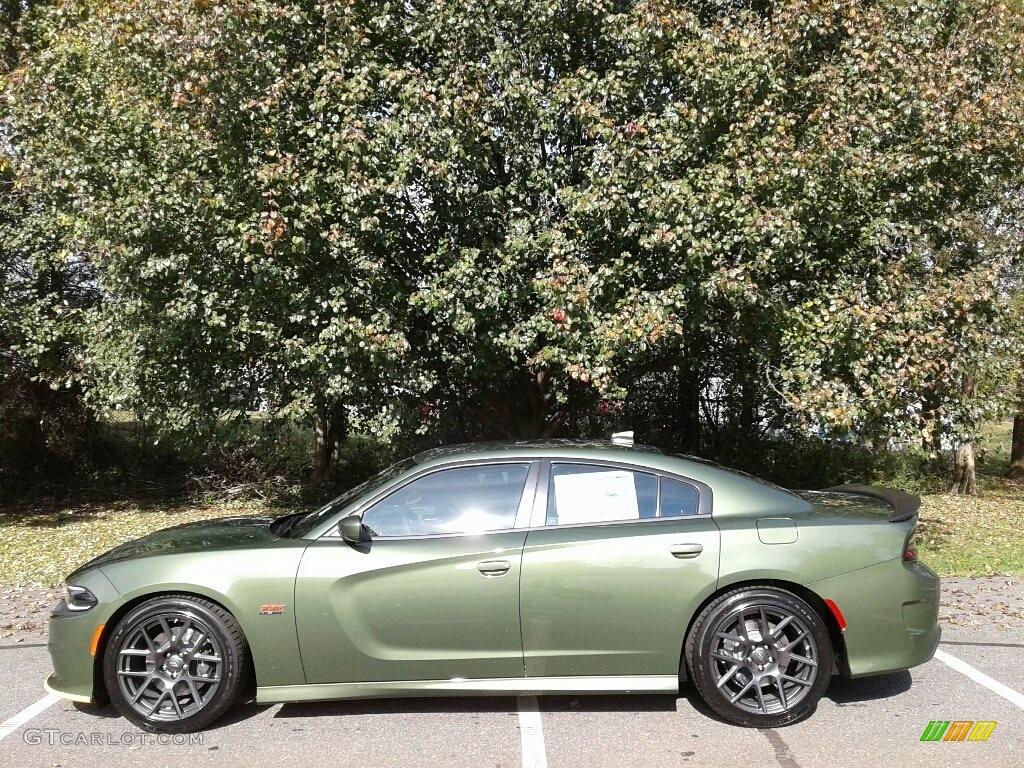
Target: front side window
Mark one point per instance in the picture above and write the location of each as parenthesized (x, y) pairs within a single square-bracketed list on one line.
[(299, 524), (457, 500)]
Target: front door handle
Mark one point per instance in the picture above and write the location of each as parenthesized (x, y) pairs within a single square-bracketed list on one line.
[(493, 567), (684, 551)]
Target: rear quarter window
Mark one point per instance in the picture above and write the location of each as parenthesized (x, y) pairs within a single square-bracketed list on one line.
[(678, 499)]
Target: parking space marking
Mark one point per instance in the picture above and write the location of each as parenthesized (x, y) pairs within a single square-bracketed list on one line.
[(531, 733), (10, 725), (981, 678)]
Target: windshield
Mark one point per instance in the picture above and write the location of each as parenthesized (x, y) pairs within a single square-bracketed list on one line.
[(301, 524)]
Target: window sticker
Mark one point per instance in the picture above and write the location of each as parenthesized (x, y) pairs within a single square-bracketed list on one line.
[(596, 497)]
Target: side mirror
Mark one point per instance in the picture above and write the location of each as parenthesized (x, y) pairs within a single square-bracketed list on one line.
[(351, 529)]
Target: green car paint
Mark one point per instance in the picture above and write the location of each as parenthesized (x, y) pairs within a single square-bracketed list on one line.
[(409, 609), (611, 600), (592, 607)]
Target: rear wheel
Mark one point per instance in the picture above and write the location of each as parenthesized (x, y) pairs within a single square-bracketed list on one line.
[(174, 664), (760, 657)]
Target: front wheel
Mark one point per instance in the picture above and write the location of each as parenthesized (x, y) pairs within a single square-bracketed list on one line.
[(174, 664), (760, 657)]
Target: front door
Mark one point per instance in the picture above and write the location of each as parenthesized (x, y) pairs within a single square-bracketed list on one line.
[(434, 594), (610, 581)]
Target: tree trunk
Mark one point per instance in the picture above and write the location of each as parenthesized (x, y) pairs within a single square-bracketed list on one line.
[(931, 440), (931, 432), (688, 404), (321, 446), (1017, 441), (748, 408), (965, 478), (330, 428), (10, 15), (337, 432)]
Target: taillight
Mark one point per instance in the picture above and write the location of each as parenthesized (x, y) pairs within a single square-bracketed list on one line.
[(910, 547)]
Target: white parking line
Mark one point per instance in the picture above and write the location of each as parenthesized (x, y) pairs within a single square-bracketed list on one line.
[(531, 733), (10, 725), (981, 678)]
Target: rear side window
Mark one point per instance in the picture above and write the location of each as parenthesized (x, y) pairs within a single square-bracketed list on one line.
[(583, 493), (589, 493), (678, 499)]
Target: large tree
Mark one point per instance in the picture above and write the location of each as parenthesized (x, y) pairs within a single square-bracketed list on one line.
[(1015, 381), (1017, 438), (44, 425), (210, 161), (513, 212)]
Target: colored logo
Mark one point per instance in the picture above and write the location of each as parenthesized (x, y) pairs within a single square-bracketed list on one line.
[(958, 730), (271, 610)]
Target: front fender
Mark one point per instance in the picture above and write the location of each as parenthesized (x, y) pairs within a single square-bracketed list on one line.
[(244, 582)]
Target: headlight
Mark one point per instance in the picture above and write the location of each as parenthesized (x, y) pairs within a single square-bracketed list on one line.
[(78, 598)]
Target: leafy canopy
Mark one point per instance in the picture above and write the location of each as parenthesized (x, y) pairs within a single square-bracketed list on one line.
[(518, 210)]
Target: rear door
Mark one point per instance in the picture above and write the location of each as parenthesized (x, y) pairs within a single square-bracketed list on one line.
[(616, 561)]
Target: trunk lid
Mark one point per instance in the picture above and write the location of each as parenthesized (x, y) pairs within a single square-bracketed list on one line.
[(902, 505)]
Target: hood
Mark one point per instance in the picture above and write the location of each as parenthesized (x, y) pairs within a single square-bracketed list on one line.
[(204, 535)]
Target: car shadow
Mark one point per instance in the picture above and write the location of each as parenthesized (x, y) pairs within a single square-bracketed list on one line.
[(105, 710), (843, 692), (469, 704), (847, 692)]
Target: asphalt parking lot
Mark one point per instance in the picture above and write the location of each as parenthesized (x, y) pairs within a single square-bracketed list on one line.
[(869, 722)]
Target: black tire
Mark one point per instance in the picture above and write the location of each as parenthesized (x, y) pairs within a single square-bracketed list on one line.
[(202, 688), (723, 657)]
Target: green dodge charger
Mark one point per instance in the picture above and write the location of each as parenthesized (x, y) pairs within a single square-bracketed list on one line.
[(511, 568)]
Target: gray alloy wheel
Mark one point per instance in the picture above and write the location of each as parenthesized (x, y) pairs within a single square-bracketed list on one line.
[(175, 663), (760, 657), (168, 666), (764, 659)]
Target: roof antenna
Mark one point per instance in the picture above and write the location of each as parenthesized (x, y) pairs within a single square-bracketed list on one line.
[(623, 438)]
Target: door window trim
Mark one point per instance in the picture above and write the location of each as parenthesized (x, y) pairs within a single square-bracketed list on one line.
[(523, 511), (539, 517)]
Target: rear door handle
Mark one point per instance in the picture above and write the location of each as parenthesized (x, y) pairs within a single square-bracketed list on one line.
[(684, 551), (493, 567)]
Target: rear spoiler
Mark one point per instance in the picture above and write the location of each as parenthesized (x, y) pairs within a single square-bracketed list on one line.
[(904, 505)]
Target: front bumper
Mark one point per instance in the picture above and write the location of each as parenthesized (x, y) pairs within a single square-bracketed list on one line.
[(892, 615), (50, 684), (74, 667), (71, 639)]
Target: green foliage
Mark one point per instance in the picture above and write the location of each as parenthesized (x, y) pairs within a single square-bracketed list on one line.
[(797, 460), (796, 211)]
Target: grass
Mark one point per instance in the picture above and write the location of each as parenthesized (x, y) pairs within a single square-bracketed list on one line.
[(981, 535), (41, 542), (974, 536), (958, 536)]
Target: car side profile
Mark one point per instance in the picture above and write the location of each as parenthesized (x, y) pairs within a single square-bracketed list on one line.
[(530, 567)]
